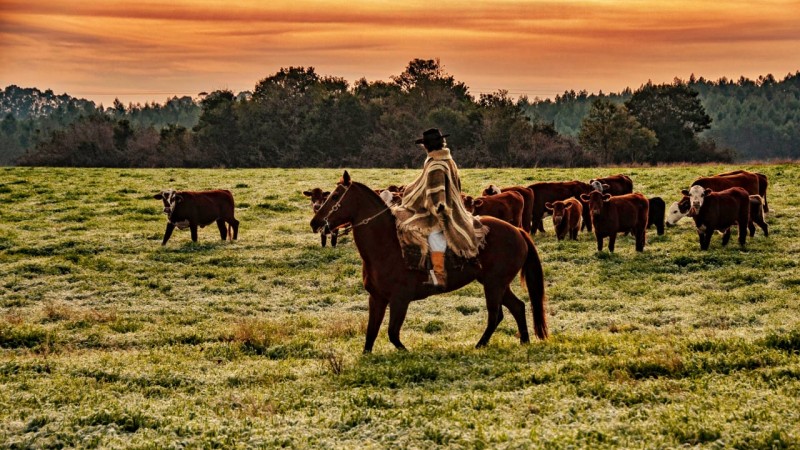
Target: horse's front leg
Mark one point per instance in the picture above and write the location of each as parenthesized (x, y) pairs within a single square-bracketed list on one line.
[(398, 307), (494, 301), (377, 309)]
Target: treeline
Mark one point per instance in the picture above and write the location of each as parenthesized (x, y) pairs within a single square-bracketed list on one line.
[(759, 119), (298, 118)]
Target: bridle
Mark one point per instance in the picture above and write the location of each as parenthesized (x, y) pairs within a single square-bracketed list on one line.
[(338, 204)]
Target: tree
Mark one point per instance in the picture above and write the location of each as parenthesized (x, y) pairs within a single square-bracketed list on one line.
[(674, 112), (613, 135)]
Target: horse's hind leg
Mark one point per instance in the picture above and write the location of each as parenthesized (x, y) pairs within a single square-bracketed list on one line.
[(397, 315), (377, 309), (517, 308), (494, 300)]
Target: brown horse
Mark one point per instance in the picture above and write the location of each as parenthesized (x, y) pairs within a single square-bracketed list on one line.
[(390, 282)]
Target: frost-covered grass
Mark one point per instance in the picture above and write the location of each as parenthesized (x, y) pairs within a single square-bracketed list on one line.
[(109, 340)]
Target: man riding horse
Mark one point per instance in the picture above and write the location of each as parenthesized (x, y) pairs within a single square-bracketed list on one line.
[(432, 216)]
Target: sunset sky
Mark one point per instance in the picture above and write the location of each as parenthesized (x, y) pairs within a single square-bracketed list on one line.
[(152, 49)]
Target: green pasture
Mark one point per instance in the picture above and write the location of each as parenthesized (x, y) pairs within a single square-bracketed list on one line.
[(108, 339)]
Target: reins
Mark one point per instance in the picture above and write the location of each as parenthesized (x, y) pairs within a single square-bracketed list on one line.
[(338, 204)]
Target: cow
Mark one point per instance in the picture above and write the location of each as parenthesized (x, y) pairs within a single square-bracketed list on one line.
[(617, 214), (615, 184), (655, 214), (190, 209), (721, 210), (763, 184), (745, 180), (680, 209), (318, 197), (527, 196), (566, 217), (506, 206), (547, 191), (389, 197)]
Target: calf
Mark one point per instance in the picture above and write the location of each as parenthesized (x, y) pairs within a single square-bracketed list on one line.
[(544, 192), (190, 209), (566, 217), (680, 209), (719, 211), (763, 184), (318, 198), (506, 206), (612, 215), (527, 197), (655, 214), (615, 184)]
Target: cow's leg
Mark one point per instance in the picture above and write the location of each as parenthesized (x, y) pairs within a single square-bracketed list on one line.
[(705, 239), (517, 309), (726, 237), (235, 226), (323, 237), (599, 243), (377, 309), (494, 302), (168, 232), (742, 235), (223, 230), (611, 241), (752, 227), (763, 225), (398, 307), (334, 237), (193, 229), (641, 236)]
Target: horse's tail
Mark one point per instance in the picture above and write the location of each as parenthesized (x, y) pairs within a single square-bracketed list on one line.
[(532, 277)]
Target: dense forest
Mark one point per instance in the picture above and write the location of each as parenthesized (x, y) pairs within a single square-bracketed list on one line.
[(298, 118)]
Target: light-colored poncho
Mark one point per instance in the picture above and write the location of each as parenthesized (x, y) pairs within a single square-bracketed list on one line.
[(439, 184)]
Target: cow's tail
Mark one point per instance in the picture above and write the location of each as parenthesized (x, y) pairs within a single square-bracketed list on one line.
[(532, 278)]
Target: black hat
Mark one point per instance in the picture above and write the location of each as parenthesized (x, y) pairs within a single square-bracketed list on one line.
[(431, 136)]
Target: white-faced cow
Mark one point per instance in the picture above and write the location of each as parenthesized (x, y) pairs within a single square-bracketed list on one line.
[(190, 209), (719, 211), (615, 184), (566, 217), (680, 209), (318, 198), (617, 214)]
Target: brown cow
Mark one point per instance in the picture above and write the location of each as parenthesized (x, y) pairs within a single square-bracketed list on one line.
[(745, 180), (612, 215), (506, 206), (763, 184), (318, 197), (615, 184), (719, 211), (544, 192), (190, 209), (566, 217), (527, 196)]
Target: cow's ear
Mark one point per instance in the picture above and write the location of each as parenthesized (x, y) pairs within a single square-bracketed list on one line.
[(706, 192), (549, 206), (477, 202), (606, 197), (605, 187), (326, 193), (685, 192), (585, 198), (568, 206), (159, 196), (178, 198), (307, 193), (345, 181), (592, 181)]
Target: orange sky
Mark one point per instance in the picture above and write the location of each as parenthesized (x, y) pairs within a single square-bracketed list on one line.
[(152, 49)]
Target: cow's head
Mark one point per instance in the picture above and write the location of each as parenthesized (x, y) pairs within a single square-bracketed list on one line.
[(696, 196), (595, 199), (166, 198), (558, 208), (677, 211), (492, 189), (390, 198), (598, 186), (469, 203), (318, 197)]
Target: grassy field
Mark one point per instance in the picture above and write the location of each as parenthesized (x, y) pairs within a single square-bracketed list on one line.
[(108, 339)]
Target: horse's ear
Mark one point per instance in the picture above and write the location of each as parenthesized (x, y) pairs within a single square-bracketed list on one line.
[(685, 192), (345, 179)]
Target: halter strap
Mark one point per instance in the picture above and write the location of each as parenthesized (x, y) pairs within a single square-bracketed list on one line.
[(338, 204)]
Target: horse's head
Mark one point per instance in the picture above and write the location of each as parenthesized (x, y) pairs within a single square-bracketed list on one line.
[(338, 209)]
